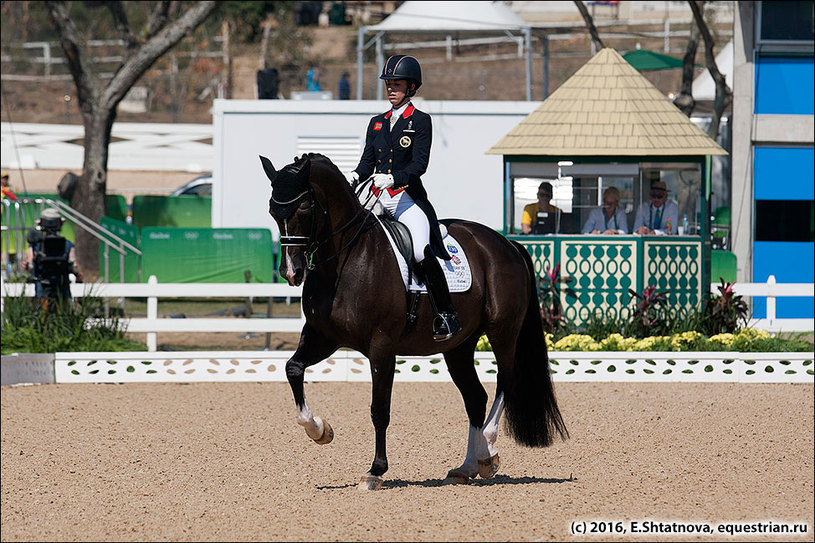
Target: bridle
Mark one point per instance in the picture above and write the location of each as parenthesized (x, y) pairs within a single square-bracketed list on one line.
[(310, 242)]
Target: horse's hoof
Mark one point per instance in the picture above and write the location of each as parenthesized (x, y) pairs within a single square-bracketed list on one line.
[(488, 467), (328, 434), (456, 477), (370, 482)]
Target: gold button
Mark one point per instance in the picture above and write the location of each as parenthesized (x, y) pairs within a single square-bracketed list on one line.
[(378, 161), (390, 160), (389, 171), (379, 150)]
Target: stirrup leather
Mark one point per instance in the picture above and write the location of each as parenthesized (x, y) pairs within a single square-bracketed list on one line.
[(445, 325)]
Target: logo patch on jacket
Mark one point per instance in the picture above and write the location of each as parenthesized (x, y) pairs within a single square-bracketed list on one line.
[(377, 126)]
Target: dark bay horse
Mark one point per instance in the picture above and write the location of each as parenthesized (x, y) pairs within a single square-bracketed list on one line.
[(354, 296)]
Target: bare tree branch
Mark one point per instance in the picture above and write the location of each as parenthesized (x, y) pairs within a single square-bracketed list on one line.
[(595, 36), (158, 18), (685, 101), (140, 62), (724, 95), (122, 26), (86, 88)]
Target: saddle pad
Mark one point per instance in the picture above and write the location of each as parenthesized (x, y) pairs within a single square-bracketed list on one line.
[(456, 270)]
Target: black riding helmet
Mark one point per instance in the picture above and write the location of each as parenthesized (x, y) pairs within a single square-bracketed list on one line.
[(403, 67)]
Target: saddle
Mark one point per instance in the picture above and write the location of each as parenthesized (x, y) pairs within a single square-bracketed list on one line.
[(401, 238)]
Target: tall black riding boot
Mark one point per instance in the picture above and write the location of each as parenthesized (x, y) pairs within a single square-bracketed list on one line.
[(445, 322)]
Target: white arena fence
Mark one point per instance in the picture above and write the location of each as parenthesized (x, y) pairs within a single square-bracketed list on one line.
[(202, 366), (270, 366)]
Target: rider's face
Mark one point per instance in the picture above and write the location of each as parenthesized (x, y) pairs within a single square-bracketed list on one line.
[(397, 91)]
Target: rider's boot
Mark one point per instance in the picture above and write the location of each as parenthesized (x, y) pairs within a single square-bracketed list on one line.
[(445, 322)]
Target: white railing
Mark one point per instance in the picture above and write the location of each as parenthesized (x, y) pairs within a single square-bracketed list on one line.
[(773, 290), (153, 290), (260, 366)]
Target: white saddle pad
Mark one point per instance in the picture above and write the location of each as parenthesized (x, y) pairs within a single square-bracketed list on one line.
[(456, 270)]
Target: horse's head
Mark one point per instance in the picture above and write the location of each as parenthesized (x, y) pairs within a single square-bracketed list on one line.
[(307, 196), (292, 206)]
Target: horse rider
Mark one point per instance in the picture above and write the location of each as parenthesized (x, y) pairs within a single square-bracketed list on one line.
[(396, 154)]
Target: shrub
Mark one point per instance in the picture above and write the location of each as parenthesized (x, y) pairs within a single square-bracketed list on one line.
[(726, 312), (28, 327)]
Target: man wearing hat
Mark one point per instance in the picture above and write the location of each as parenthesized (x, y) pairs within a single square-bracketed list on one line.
[(660, 215)]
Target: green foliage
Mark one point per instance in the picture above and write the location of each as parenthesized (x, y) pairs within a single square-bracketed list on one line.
[(650, 316), (30, 327), (725, 313), (746, 340), (549, 298)]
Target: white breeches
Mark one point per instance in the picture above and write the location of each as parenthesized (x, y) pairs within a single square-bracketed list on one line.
[(405, 210)]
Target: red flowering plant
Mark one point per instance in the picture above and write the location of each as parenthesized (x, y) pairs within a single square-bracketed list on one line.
[(725, 313), (649, 317), (549, 297)]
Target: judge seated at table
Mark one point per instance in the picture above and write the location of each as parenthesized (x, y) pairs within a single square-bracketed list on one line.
[(609, 218), (541, 217), (660, 216)]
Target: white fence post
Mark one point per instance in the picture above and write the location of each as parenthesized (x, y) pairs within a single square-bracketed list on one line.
[(771, 300), (152, 313)]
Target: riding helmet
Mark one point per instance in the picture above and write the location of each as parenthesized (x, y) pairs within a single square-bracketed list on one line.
[(403, 67)]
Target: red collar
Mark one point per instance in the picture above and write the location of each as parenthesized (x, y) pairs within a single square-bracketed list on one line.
[(408, 112)]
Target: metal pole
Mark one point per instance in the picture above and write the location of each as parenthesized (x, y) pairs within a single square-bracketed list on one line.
[(545, 66), (360, 49), (528, 46), (380, 61)]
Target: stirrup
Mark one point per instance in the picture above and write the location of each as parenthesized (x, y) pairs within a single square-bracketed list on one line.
[(444, 326)]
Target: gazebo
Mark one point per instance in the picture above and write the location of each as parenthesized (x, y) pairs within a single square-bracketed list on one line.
[(608, 125), (446, 19)]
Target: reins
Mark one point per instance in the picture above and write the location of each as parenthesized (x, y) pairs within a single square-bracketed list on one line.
[(309, 252)]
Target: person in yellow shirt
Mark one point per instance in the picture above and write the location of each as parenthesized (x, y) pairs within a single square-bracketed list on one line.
[(530, 220)]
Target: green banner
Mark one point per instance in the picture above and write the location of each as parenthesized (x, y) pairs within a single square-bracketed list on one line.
[(207, 255), (130, 234), (180, 211)]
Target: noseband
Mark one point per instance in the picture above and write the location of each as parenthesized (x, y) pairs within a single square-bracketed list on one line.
[(309, 242)]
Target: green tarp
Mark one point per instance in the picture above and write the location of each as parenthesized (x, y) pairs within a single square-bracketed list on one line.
[(207, 255), (130, 234), (179, 211), (644, 60)]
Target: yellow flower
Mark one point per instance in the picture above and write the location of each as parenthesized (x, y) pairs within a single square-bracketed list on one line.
[(722, 339)]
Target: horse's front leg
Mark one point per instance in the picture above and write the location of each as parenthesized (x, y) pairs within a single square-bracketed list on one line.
[(312, 349), (382, 369)]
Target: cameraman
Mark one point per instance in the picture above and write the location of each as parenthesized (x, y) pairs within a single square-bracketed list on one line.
[(51, 258)]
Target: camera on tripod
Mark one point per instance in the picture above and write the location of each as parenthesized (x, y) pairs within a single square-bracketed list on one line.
[(51, 265)]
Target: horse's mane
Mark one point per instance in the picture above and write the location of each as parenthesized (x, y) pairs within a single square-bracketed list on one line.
[(335, 177)]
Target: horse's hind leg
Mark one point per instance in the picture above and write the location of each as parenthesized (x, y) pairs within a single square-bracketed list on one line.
[(482, 456), (382, 371), (311, 350)]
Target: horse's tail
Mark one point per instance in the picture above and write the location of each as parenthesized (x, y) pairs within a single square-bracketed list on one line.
[(533, 417)]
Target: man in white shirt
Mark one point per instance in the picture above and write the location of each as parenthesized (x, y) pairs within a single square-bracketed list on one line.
[(660, 215)]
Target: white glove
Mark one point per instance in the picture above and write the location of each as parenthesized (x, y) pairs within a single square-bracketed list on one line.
[(352, 177), (383, 180)]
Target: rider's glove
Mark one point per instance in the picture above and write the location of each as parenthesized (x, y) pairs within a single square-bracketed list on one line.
[(352, 177), (383, 180)]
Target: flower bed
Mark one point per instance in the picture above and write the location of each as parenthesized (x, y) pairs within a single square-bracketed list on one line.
[(746, 340)]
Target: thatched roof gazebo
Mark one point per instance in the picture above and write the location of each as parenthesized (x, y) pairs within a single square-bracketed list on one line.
[(607, 125)]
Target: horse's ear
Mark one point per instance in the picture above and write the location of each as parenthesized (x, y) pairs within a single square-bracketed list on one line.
[(271, 173)]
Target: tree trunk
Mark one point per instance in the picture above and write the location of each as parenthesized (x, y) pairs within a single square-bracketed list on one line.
[(724, 95), (90, 195), (98, 104), (685, 101)]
